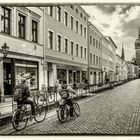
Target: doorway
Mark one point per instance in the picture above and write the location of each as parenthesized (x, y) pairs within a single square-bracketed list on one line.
[(8, 78)]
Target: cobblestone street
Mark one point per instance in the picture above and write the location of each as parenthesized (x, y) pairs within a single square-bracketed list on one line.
[(114, 112)]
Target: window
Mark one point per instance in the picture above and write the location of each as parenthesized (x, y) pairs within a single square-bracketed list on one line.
[(72, 7), (81, 51), (81, 27), (59, 14), (78, 76), (90, 57), (70, 76), (66, 18), (96, 60), (76, 26), (96, 44), (34, 31), (50, 37), (85, 31), (59, 43), (90, 39), (84, 73), (99, 61), (71, 21), (93, 42), (21, 25), (5, 20), (66, 45), (29, 67), (71, 48), (85, 52), (61, 75), (77, 50), (77, 11), (85, 19), (81, 15), (50, 11)]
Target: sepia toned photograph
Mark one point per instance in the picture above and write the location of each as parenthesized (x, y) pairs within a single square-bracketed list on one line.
[(70, 69)]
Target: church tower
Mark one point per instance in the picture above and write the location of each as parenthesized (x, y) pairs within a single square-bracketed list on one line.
[(137, 49), (123, 56)]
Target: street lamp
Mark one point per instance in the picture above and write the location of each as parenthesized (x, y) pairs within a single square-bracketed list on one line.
[(4, 51)]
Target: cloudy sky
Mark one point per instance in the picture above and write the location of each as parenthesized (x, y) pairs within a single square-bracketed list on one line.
[(121, 22)]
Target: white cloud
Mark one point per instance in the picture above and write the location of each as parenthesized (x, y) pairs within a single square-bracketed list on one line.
[(121, 23)]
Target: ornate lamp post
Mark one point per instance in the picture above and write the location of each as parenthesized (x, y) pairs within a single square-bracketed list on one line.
[(4, 51)]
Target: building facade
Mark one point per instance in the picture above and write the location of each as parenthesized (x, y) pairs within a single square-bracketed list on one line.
[(65, 45), (21, 28), (105, 60), (112, 59), (95, 55)]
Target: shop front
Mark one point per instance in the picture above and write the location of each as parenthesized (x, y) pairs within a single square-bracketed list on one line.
[(13, 69), (70, 74)]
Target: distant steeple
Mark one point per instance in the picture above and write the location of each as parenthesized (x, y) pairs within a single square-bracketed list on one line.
[(123, 56), (139, 33)]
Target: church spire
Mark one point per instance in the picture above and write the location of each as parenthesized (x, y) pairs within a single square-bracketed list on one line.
[(139, 33), (123, 56)]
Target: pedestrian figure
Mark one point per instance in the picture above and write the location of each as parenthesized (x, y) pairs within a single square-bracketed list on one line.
[(65, 95), (24, 94)]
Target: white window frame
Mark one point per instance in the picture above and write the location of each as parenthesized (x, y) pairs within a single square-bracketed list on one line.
[(61, 50), (67, 44), (67, 18), (53, 38), (52, 11)]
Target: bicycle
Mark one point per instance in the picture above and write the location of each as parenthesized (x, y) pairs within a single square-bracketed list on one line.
[(21, 115), (63, 111)]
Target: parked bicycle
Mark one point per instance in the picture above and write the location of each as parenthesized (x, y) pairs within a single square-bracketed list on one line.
[(21, 116), (49, 94), (63, 111)]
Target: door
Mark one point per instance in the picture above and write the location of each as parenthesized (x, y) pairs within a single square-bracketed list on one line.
[(7, 78)]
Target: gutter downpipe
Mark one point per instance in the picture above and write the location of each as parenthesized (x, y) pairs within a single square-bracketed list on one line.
[(88, 50)]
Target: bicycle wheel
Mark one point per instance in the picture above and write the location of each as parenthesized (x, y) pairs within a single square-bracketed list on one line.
[(40, 114), (19, 119), (62, 114), (40, 99), (76, 109)]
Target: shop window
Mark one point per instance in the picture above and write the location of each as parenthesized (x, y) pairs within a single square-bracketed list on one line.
[(83, 76), (62, 75), (78, 76), (70, 76), (27, 68)]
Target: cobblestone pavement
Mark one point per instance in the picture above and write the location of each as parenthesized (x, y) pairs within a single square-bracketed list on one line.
[(114, 112)]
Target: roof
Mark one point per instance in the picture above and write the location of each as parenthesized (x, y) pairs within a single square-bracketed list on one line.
[(111, 41)]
